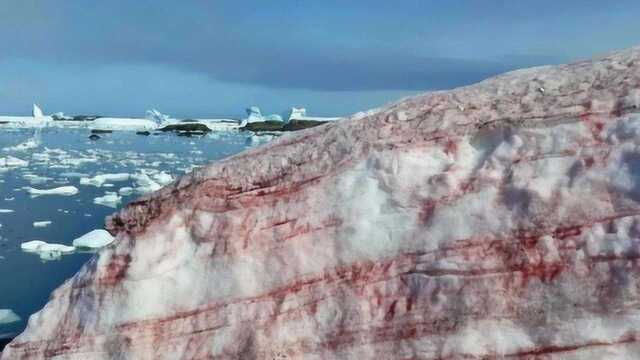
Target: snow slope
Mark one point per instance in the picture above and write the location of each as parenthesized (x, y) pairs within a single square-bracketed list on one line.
[(498, 220)]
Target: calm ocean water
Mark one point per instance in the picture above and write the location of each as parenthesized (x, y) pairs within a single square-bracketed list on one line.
[(63, 156)]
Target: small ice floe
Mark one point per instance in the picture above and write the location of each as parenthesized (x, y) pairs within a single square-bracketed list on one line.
[(41, 246), (94, 239), (41, 224), (7, 316), (63, 190), (110, 199), (5, 211), (27, 145), (75, 162), (47, 251), (163, 178), (12, 162), (145, 183), (34, 179), (125, 191), (100, 180)]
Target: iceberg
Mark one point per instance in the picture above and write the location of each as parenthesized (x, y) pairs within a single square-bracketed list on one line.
[(158, 117), (45, 250), (7, 316), (110, 199), (301, 114), (94, 239), (100, 180), (41, 224), (124, 191), (163, 178), (12, 162), (29, 144), (145, 183), (63, 190), (37, 112), (255, 115), (36, 120), (41, 246)]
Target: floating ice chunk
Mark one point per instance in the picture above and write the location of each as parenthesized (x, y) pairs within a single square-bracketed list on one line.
[(36, 179), (100, 180), (301, 114), (11, 162), (125, 191), (145, 183), (41, 223), (45, 250), (63, 190), (5, 211), (94, 239), (110, 199), (163, 178), (157, 117), (7, 316), (41, 246), (78, 161), (27, 145)]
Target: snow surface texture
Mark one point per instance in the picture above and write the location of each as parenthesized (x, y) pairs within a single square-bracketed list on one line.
[(499, 220)]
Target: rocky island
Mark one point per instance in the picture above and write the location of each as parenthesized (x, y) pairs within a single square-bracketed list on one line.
[(498, 220)]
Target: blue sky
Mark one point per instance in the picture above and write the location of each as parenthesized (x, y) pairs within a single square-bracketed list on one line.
[(205, 58)]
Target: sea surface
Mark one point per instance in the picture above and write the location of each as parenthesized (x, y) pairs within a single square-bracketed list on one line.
[(61, 158)]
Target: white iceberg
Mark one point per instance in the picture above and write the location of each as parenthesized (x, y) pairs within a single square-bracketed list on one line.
[(110, 199), (158, 117), (163, 178), (100, 180), (254, 115), (37, 112), (29, 144), (36, 120), (47, 251), (301, 114), (94, 239), (12, 162), (125, 191), (7, 316), (145, 183), (41, 246), (63, 190), (40, 224)]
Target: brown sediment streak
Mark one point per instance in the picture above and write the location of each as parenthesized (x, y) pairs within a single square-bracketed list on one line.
[(557, 349)]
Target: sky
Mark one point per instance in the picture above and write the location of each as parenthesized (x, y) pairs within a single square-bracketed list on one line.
[(197, 58)]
